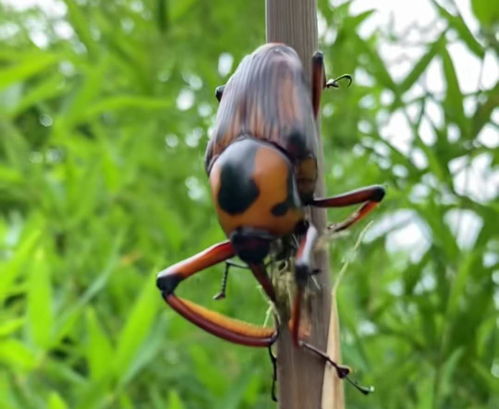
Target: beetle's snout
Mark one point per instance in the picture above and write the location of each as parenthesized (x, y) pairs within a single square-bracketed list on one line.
[(251, 245)]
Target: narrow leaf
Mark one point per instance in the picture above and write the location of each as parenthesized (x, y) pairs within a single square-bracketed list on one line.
[(458, 24), (11, 270), (420, 66), (136, 329), (26, 68), (454, 97), (40, 315), (16, 355), (56, 402), (98, 348)]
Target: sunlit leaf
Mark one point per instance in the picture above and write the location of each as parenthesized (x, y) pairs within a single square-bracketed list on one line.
[(137, 327), (26, 68), (457, 22), (40, 312), (99, 349), (56, 401)]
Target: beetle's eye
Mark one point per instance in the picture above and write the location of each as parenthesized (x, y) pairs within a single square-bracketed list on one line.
[(219, 92)]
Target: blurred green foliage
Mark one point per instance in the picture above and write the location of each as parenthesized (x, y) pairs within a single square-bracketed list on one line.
[(104, 115)]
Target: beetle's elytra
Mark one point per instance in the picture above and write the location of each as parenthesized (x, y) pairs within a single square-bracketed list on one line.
[(262, 169)]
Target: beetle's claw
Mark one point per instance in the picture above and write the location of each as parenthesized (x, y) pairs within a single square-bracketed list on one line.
[(302, 273), (335, 83)]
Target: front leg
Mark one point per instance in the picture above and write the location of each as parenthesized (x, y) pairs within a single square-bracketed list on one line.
[(318, 80), (303, 271), (232, 330), (371, 196), (219, 91)]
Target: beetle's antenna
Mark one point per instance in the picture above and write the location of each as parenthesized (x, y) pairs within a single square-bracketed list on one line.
[(335, 83), (228, 264), (221, 294)]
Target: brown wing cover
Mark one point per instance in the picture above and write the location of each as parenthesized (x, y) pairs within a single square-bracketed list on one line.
[(267, 98)]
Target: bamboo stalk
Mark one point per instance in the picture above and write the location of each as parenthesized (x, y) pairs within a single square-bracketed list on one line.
[(305, 382)]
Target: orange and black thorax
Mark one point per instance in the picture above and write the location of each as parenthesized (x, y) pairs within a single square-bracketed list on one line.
[(268, 99), (253, 186)]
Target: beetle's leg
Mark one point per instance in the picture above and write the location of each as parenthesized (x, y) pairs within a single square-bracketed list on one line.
[(273, 360), (260, 273), (217, 324), (318, 80), (219, 91), (371, 196), (302, 272), (341, 371)]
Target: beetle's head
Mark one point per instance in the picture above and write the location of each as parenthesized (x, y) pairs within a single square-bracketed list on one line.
[(251, 245), (255, 194)]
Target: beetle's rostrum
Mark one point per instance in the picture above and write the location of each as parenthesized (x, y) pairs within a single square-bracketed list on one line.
[(261, 163)]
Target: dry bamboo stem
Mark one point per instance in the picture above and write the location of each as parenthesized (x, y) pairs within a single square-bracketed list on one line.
[(305, 382)]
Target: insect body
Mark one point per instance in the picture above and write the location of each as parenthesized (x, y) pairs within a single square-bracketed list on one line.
[(262, 167)]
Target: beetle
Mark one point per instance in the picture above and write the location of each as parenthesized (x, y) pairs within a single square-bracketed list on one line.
[(261, 163)]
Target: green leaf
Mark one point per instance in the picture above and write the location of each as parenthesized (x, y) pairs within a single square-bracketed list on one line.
[(40, 315), (25, 69), (82, 98), (458, 285), (10, 326), (10, 271), (137, 328), (16, 355), (7, 392), (233, 399), (458, 24), (71, 315), (56, 402), (162, 17), (80, 24), (454, 98), (485, 376), (374, 64), (425, 390), (178, 8), (486, 12), (174, 401), (98, 349), (484, 110), (447, 375), (118, 102), (352, 22), (421, 65), (50, 87)]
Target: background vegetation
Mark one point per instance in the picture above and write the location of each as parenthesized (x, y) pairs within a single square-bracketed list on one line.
[(105, 109)]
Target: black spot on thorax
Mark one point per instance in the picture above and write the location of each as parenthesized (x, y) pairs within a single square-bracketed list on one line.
[(238, 190), (291, 201)]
